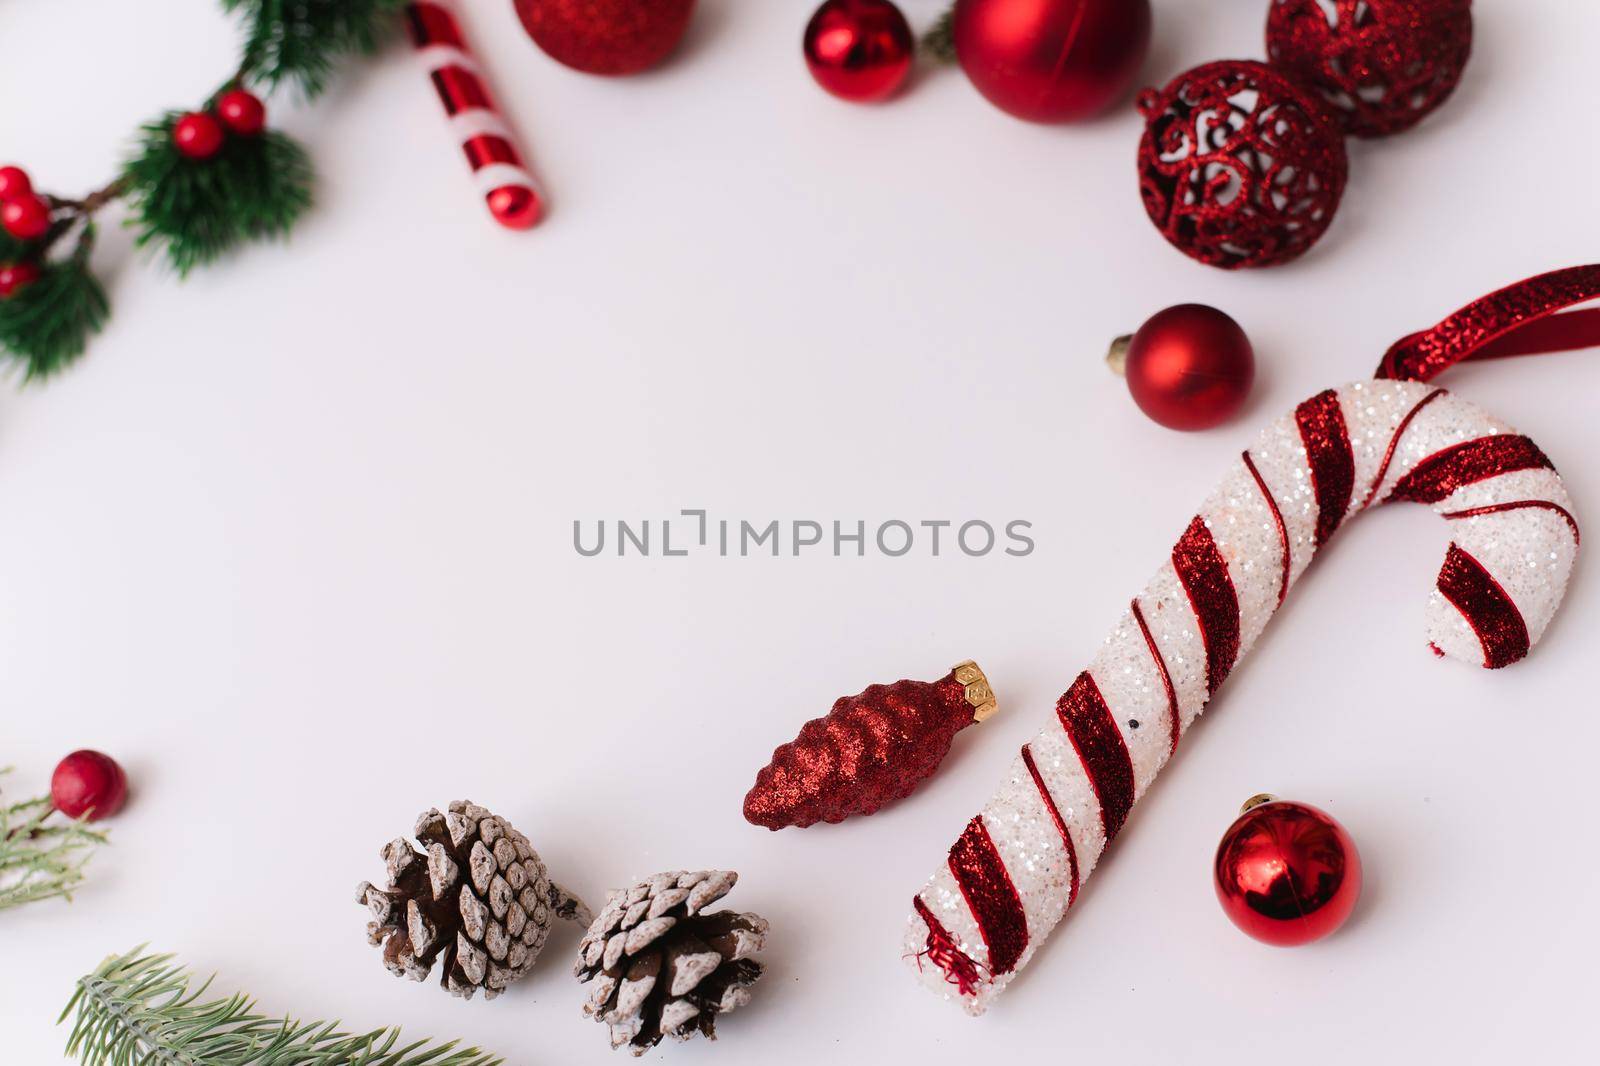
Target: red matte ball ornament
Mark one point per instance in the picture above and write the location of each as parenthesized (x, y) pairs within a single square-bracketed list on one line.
[(197, 135), (859, 50), (242, 112), (26, 217), (606, 36), (14, 277), (1287, 873), (1240, 166), (1052, 60), (1381, 65), (88, 783), (1189, 367), (14, 182)]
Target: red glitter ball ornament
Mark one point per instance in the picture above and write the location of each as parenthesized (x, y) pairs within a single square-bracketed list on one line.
[(25, 217), (606, 36), (242, 112), (859, 50), (869, 750), (1382, 65), (88, 783), (1287, 873), (1189, 367), (14, 277), (1051, 60), (197, 135), (1239, 166)]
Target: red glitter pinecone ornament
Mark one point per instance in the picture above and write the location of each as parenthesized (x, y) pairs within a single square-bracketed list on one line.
[(1382, 65), (868, 751), (1239, 165)]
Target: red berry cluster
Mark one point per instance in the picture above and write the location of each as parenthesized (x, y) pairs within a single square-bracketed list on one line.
[(26, 216), (199, 134)]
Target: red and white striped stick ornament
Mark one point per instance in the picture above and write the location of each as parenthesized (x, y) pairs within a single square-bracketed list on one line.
[(508, 188), (1018, 865)]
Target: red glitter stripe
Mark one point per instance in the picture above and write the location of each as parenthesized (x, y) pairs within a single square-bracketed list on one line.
[(990, 895), (1098, 742), (1277, 516), (1448, 469), (432, 24), (1394, 442), (1055, 816), (1205, 578), (1333, 465), (1161, 665), (460, 90), (488, 148), (1486, 607), (959, 968), (1517, 505)]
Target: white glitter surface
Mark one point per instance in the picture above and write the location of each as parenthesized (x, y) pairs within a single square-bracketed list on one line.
[(1530, 551)]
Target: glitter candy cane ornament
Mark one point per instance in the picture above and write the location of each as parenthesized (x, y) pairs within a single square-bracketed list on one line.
[(513, 197), (1017, 867)]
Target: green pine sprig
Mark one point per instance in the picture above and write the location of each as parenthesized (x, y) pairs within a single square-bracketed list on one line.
[(297, 41), (939, 42), (139, 1009), (195, 210), (41, 858)]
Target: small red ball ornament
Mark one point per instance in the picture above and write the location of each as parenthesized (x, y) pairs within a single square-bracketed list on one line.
[(606, 36), (859, 50), (14, 277), (1382, 65), (197, 135), (1189, 367), (1239, 166), (242, 112), (25, 217), (88, 783), (14, 182), (1287, 873), (1052, 60)]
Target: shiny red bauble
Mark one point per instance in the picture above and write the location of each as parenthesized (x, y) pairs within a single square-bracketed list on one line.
[(1190, 367), (14, 277), (197, 135), (1240, 166), (88, 784), (242, 112), (859, 50), (606, 36), (25, 217), (14, 182), (515, 206), (1052, 60), (1287, 873), (1382, 65)]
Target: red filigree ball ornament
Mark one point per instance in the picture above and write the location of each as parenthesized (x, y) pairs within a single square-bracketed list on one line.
[(868, 750), (1287, 873), (1239, 166), (1051, 60), (1189, 367), (606, 36), (88, 784), (1382, 65), (859, 50)]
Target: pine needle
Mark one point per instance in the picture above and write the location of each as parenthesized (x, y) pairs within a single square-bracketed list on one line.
[(47, 324), (297, 41), (939, 42), (40, 859), (139, 1008)]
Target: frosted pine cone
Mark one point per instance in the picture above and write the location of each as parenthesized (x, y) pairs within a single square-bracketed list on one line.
[(477, 900), (658, 965)]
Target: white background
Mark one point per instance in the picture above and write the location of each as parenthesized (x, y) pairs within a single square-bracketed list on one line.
[(294, 541)]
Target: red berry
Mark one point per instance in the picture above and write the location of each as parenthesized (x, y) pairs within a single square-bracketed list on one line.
[(88, 782), (197, 135), (14, 183), (16, 276), (26, 218), (242, 112)]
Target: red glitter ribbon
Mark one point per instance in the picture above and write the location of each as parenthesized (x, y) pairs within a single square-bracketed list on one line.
[(1204, 574), (1439, 475), (991, 896), (1097, 740), (1333, 464), (1486, 606)]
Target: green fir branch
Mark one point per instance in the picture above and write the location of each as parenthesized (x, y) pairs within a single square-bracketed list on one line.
[(297, 41), (196, 210), (41, 859), (139, 1009), (939, 42), (46, 325)]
